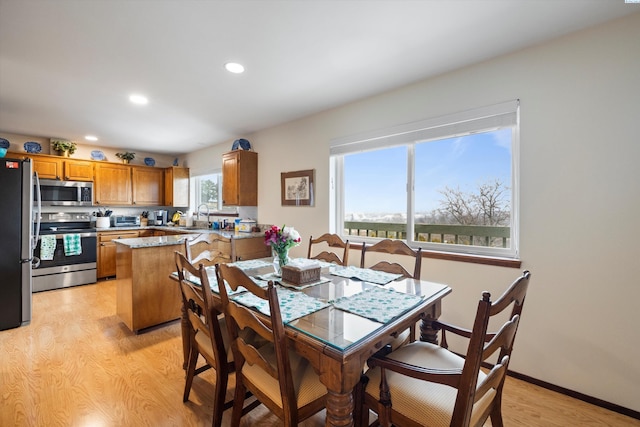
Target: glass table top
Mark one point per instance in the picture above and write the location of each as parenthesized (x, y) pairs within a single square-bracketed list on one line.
[(340, 313)]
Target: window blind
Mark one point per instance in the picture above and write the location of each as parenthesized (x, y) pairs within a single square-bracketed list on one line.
[(476, 120)]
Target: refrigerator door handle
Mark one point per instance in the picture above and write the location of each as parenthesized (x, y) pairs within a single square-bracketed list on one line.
[(36, 235)]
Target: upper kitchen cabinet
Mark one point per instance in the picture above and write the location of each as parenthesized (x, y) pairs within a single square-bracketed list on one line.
[(240, 178), (176, 186), (47, 167), (54, 167), (113, 184), (148, 186), (78, 170)]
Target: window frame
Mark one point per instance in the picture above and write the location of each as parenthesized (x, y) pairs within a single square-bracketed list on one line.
[(484, 119), (220, 208)]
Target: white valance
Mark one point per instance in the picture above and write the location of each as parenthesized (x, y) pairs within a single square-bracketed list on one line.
[(477, 120)]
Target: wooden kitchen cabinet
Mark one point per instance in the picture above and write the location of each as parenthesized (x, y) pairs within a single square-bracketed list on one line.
[(146, 233), (78, 170), (47, 167), (107, 250), (176, 187), (240, 178), (148, 186), (249, 248), (60, 168), (145, 295), (113, 184)]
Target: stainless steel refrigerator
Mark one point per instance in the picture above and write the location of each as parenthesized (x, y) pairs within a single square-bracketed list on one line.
[(16, 241)]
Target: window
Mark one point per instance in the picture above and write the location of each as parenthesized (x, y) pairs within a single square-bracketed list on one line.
[(445, 184), (208, 190)]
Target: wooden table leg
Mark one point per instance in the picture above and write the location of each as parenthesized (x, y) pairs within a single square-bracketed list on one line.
[(339, 409)]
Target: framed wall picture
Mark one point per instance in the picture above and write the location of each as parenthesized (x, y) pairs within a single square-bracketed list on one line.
[(297, 188)]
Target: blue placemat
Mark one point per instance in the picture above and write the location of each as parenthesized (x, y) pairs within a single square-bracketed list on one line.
[(250, 264), (293, 305), (278, 279), (379, 304), (366, 275)]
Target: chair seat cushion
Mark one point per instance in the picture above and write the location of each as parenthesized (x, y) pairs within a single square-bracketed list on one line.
[(425, 402), (205, 347), (306, 382)]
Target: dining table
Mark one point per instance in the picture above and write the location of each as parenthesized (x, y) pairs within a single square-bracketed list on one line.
[(340, 320)]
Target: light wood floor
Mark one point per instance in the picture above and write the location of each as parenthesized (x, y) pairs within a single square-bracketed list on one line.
[(76, 364)]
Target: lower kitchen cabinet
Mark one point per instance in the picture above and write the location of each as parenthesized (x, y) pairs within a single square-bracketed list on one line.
[(107, 250), (249, 248)]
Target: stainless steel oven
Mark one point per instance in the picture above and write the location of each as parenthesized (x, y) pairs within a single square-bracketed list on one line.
[(61, 267)]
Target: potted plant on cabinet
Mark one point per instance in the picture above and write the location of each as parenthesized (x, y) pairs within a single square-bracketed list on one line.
[(126, 157), (63, 147)]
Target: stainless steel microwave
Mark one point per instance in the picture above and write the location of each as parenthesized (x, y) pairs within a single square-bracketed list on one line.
[(66, 193)]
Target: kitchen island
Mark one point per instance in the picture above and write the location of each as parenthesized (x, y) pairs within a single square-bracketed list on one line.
[(145, 295)]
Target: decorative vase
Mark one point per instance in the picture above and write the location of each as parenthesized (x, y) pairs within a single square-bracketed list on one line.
[(280, 259), (126, 161), (64, 153)]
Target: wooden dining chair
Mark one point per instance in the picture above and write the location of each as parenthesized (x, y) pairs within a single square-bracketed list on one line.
[(282, 380), (206, 248), (208, 334), (396, 247), (328, 241), (202, 249), (423, 384)]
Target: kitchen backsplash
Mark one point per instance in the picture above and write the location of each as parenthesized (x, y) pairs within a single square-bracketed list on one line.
[(245, 212)]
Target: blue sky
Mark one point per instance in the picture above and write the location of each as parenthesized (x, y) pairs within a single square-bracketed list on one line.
[(375, 181)]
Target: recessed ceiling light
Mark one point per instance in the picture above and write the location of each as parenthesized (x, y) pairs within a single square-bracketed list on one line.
[(91, 138), (139, 99), (234, 67)]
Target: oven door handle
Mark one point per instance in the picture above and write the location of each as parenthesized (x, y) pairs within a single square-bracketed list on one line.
[(61, 236)]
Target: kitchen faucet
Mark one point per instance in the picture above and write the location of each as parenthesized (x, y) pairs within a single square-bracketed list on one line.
[(208, 211)]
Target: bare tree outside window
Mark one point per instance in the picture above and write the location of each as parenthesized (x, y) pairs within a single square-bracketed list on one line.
[(489, 205)]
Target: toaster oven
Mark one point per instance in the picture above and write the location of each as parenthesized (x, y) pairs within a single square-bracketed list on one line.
[(125, 221)]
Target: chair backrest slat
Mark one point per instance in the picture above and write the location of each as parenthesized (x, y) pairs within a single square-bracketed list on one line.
[(394, 247), (331, 241), (206, 249)]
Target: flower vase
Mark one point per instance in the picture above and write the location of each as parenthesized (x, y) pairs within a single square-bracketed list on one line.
[(280, 258)]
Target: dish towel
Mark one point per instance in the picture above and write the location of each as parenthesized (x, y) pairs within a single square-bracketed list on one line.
[(72, 245), (47, 247)]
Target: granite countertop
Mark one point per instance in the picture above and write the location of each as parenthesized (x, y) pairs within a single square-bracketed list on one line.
[(176, 239), (150, 242), (187, 230)]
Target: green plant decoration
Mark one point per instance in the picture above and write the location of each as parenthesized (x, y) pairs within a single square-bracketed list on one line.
[(126, 156), (63, 145)]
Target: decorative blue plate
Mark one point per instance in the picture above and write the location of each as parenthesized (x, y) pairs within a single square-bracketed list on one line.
[(4, 143), (149, 161), (97, 155), (32, 147), (241, 144), (175, 162)]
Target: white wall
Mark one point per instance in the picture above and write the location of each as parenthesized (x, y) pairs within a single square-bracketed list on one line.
[(580, 197)]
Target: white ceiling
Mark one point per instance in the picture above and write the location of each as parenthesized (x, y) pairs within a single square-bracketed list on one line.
[(67, 67)]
